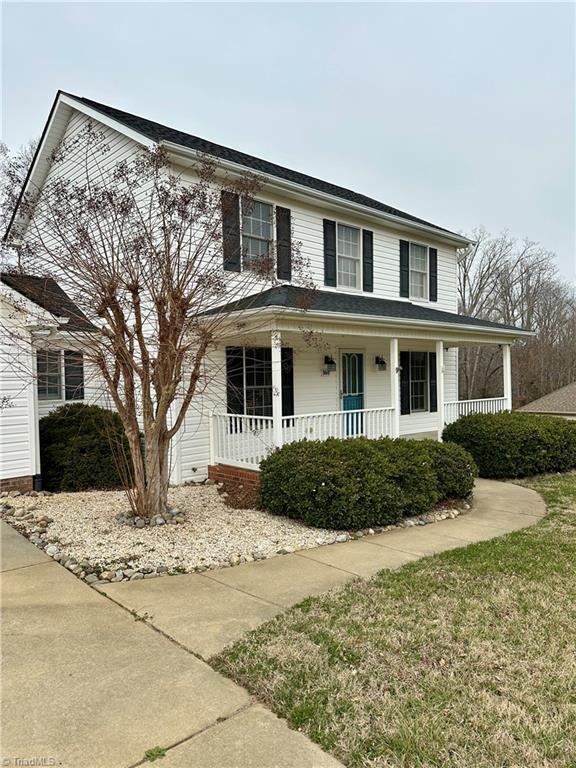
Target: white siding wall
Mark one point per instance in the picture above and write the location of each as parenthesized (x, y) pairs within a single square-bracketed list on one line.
[(17, 437)]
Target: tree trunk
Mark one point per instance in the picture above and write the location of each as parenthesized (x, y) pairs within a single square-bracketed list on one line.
[(152, 495)]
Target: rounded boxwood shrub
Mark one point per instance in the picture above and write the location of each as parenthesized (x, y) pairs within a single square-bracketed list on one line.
[(454, 467), (516, 444), (78, 444), (354, 483)]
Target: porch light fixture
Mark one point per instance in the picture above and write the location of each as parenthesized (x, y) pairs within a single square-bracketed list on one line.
[(380, 363), (329, 365)]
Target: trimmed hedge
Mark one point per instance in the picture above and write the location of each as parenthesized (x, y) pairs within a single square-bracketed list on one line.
[(516, 444), (76, 448), (358, 483)]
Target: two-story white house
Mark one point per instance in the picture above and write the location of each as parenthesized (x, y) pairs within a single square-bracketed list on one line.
[(384, 306)]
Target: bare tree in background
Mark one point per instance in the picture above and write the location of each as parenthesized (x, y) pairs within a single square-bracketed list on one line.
[(140, 251), (13, 170), (516, 282)]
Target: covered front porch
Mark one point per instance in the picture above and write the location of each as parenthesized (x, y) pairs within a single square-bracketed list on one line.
[(339, 385)]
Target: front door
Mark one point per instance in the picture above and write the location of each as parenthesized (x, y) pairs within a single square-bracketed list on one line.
[(353, 391)]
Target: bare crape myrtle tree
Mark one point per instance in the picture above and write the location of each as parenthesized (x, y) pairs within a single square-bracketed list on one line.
[(139, 249)]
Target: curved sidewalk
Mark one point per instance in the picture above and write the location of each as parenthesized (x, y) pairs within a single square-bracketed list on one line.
[(208, 611)]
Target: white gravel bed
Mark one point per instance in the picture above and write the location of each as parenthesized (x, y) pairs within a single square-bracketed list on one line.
[(81, 530)]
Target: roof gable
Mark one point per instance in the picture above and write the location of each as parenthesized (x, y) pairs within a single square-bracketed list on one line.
[(561, 401)]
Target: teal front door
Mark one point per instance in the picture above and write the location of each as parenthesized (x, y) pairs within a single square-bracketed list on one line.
[(353, 392)]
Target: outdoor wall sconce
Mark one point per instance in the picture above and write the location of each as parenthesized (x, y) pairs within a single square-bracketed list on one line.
[(329, 365), (380, 363)]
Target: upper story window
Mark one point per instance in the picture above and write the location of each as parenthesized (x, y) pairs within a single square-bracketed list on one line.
[(60, 374), (418, 271), (348, 256), (256, 232)]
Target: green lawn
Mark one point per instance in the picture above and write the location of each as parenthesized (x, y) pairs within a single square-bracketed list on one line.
[(466, 659)]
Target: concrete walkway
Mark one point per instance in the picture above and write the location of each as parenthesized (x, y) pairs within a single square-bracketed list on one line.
[(86, 682), (206, 612)]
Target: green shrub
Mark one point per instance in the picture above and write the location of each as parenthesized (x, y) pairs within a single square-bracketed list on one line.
[(359, 483), (454, 467), (516, 444), (76, 451)]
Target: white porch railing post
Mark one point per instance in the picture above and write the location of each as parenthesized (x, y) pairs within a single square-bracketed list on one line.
[(395, 386), (507, 373), (440, 386), (276, 342)]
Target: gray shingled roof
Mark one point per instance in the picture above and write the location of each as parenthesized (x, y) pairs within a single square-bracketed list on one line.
[(561, 401), (46, 293), (295, 297), (158, 133)]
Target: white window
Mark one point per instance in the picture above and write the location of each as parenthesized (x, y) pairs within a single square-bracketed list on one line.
[(348, 256), (418, 271), (57, 367), (49, 375), (256, 234), (418, 381)]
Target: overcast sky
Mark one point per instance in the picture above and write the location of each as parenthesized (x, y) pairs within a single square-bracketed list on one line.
[(460, 113)]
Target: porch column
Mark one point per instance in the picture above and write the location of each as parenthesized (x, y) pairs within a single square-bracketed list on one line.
[(395, 386), (440, 386), (507, 373), (277, 388)]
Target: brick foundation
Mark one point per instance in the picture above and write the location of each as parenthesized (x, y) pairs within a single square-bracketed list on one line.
[(21, 484), (241, 485)]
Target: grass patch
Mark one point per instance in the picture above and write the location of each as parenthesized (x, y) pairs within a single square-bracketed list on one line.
[(466, 659)]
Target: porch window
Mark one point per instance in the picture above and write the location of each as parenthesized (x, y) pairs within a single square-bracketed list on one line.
[(49, 376), (348, 256), (249, 381), (418, 271), (57, 367), (256, 232), (418, 381)]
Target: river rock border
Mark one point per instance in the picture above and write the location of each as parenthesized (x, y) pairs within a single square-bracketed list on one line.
[(37, 529)]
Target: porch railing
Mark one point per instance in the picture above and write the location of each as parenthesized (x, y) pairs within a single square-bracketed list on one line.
[(243, 441), (372, 422), (453, 410)]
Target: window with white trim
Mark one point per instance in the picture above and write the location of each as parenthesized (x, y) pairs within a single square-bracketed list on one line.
[(257, 234), (348, 256), (418, 271), (60, 374), (418, 381)]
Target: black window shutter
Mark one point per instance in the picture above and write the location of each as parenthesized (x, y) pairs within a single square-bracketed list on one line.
[(287, 381), (231, 231), (330, 253), (433, 382), (283, 243), (367, 260), (405, 383), (433, 267), (404, 268), (73, 375), (234, 379)]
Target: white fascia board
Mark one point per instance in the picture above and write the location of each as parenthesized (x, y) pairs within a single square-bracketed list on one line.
[(355, 320), (304, 192), (35, 315)]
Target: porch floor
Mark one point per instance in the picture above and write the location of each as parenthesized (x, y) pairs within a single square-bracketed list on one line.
[(206, 612)]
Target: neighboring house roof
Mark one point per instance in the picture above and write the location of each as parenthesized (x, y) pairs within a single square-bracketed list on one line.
[(47, 294), (294, 297), (561, 401)]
